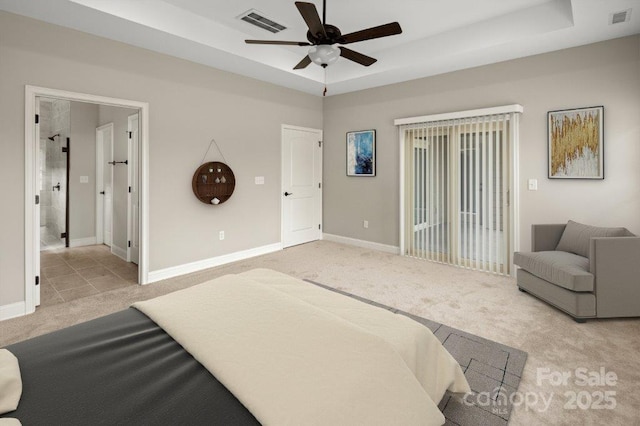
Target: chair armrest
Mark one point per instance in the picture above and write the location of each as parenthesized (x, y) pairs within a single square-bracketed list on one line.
[(545, 237), (615, 264)]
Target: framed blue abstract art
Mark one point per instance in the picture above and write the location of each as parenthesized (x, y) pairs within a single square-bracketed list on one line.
[(361, 153)]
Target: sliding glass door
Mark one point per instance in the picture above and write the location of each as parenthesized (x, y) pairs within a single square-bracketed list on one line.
[(430, 194), (456, 192)]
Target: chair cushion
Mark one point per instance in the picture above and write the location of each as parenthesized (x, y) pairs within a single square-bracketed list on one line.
[(576, 303), (563, 269), (576, 237)]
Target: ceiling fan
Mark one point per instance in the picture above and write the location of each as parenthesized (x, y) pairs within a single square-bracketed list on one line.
[(323, 38)]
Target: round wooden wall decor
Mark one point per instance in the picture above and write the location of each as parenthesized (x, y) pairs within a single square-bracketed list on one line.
[(213, 183)]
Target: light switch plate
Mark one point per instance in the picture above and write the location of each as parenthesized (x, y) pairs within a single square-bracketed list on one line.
[(259, 180), (84, 179), (533, 184)]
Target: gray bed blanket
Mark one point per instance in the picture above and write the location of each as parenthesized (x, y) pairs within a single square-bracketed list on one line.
[(119, 369)]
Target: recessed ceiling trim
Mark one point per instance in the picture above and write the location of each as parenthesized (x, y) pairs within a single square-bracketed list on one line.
[(211, 34)]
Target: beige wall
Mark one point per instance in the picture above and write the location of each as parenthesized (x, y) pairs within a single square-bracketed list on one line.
[(189, 105), (82, 196), (606, 74)]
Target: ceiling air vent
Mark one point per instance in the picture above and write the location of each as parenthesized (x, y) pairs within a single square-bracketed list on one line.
[(620, 17), (256, 18)]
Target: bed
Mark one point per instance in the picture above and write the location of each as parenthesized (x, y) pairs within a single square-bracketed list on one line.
[(259, 347)]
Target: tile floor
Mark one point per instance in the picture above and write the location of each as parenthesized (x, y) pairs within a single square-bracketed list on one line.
[(72, 273)]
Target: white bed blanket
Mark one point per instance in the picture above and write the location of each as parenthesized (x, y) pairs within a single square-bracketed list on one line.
[(291, 362), (433, 366)]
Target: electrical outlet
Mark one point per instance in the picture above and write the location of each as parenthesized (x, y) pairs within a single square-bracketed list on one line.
[(221, 235), (365, 224)]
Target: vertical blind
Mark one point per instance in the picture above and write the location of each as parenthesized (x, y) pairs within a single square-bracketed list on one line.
[(457, 190)]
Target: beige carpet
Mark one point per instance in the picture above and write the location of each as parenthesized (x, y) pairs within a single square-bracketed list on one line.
[(478, 303)]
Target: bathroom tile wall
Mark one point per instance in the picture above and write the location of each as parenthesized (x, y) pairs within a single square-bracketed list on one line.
[(55, 120)]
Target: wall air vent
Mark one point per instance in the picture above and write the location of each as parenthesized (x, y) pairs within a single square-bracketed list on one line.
[(620, 17), (256, 18)]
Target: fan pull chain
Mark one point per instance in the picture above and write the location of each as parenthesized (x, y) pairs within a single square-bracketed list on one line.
[(324, 92)]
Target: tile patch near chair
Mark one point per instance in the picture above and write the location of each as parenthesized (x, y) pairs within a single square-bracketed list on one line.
[(493, 371), (69, 274)]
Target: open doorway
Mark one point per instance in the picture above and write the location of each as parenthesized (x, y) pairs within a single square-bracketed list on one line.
[(87, 159), (79, 150)]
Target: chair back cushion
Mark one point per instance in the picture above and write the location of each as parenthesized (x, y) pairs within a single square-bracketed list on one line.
[(576, 237)]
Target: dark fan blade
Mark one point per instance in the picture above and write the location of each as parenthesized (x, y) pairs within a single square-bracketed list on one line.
[(303, 63), (288, 43), (310, 15), (370, 33), (354, 56)]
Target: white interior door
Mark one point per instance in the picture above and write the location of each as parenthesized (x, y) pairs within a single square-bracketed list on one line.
[(107, 225), (301, 185), (133, 249), (104, 184), (36, 213)]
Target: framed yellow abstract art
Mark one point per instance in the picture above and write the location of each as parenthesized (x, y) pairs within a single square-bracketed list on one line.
[(576, 143)]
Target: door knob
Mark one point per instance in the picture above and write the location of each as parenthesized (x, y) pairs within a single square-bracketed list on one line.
[(286, 194)]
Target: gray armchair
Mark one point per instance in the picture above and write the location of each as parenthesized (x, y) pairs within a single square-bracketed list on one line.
[(585, 271)]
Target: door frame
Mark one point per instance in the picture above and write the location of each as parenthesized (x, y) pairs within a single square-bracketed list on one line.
[(130, 165), (32, 235), (100, 162), (282, 189), (35, 215)]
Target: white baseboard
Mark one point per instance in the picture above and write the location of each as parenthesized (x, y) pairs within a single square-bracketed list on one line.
[(12, 310), (362, 243), (79, 242), (187, 268), (120, 252)]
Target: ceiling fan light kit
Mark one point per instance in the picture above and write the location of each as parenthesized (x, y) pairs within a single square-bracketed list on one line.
[(324, 39), (324, 54)]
